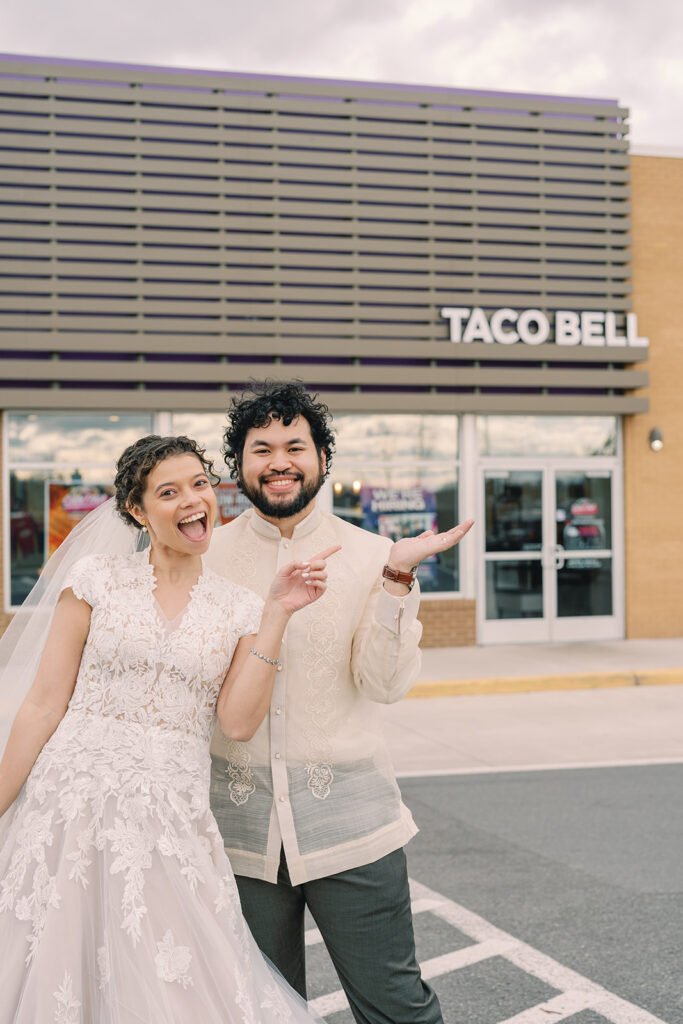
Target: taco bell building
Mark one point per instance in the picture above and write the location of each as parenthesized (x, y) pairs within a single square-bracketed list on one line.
[(484, 287)]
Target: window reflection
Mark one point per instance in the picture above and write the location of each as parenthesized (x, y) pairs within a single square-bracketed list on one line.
[(584, 587), (207, 428), (514, 590), (44, 507), (401, 501), (577, 436), (78, 438), (385, 437), (514, 514), (584, 510)]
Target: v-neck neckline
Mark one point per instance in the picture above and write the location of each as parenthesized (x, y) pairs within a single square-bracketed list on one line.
[(171, 625)]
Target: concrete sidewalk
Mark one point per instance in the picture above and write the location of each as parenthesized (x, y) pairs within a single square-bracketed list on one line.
[(513, 668), (530, 707)]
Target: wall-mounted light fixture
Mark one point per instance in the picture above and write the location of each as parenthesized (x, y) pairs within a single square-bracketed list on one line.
[(656, 440)]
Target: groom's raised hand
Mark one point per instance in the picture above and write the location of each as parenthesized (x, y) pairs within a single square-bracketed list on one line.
[(408, 552)]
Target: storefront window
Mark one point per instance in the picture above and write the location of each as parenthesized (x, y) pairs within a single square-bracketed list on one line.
[(60, 466), (75, 438), (399, 479), (207, 428), (393, 437), (561, 436)]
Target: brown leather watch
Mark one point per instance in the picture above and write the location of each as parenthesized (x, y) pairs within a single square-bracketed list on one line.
[(407, 578)]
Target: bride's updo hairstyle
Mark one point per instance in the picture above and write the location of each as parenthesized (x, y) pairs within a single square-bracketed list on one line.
[(138, 461)]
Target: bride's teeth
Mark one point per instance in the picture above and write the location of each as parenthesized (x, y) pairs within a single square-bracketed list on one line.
[(191, 519)]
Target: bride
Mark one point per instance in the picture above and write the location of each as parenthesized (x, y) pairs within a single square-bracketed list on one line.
[(117, 902)]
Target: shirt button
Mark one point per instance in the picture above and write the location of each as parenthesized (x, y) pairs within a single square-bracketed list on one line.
[(282, 799), (285, 543), (278, 711), (277, 757)]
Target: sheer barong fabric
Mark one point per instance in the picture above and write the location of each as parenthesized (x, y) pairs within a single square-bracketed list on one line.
[(316, 778)]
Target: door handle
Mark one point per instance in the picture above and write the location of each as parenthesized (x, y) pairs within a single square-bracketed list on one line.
[(559, 556)]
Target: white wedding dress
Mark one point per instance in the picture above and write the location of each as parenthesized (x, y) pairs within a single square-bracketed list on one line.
[(117, 901)]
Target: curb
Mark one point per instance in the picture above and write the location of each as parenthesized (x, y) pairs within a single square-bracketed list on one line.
[(532, 684)]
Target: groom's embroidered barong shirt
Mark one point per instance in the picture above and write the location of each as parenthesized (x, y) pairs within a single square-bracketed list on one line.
[(316, 778)]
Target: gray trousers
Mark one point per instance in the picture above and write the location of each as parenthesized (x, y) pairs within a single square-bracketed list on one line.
[(365, 919)]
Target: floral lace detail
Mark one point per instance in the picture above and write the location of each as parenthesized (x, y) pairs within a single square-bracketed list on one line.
[(274, 1001), (127, 768), (33, 836), (103, 965), (133, 668), (67, 1004), (241, 784), (173, 962)]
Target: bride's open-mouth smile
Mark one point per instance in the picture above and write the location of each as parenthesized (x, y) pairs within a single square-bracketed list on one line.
[(194, 527)]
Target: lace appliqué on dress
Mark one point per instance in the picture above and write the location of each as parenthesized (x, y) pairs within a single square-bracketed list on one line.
[(131, 753), (67, 1004), (173, 962)]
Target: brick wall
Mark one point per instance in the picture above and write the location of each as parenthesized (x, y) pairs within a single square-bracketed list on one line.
[(654, 480), (448, 623)]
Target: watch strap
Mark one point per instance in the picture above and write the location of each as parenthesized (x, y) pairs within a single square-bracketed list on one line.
[(407, 578)]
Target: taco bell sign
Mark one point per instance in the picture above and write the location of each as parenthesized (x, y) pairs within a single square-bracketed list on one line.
[(533, 326)]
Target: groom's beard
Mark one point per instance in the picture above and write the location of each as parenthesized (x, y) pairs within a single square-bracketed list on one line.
[(285, 508)]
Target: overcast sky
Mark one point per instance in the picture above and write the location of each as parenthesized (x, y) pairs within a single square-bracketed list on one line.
[(629, 50)]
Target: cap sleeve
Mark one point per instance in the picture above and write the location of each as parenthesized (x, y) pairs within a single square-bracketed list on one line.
[(82, 578)]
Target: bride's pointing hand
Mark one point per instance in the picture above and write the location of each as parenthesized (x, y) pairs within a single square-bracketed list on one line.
[(301, 583)]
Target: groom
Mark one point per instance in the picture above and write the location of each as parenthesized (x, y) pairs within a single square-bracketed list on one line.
[(309, 809)]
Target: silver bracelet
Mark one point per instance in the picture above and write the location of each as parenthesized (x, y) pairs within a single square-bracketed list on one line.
[(271, 661)]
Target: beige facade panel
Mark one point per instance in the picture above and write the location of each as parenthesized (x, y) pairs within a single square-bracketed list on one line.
[(442, 351), (283, 150), (464, 273), (443, 225), (251, 90), (201, 311), (467, 206), (302, 129), (434, 292), (263, 165), (230, 242), (463, 252), (133, 371), (139, 181), (136, 108), (60, 293), (188, 399)]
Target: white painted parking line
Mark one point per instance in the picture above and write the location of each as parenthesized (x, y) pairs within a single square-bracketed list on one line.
[(576, 993), (563, 766), (538, 964)]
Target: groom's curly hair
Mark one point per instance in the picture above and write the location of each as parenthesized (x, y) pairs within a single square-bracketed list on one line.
[(266, 400), (138, 461)]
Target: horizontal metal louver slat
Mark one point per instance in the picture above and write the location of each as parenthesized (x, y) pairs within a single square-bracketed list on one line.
[(147, 211)]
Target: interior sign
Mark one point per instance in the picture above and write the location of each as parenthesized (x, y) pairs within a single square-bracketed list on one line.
[(532, 327)]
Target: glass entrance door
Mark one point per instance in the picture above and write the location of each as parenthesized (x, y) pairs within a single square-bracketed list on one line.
[(547, 567)]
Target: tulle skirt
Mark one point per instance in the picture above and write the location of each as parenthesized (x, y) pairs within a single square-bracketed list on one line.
[(123, 909)]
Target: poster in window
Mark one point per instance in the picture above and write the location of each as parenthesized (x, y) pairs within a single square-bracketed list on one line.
[(66, 504), (231, 502), (397, 512)]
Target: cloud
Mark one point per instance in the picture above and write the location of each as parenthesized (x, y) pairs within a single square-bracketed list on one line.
[(621, 49)]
